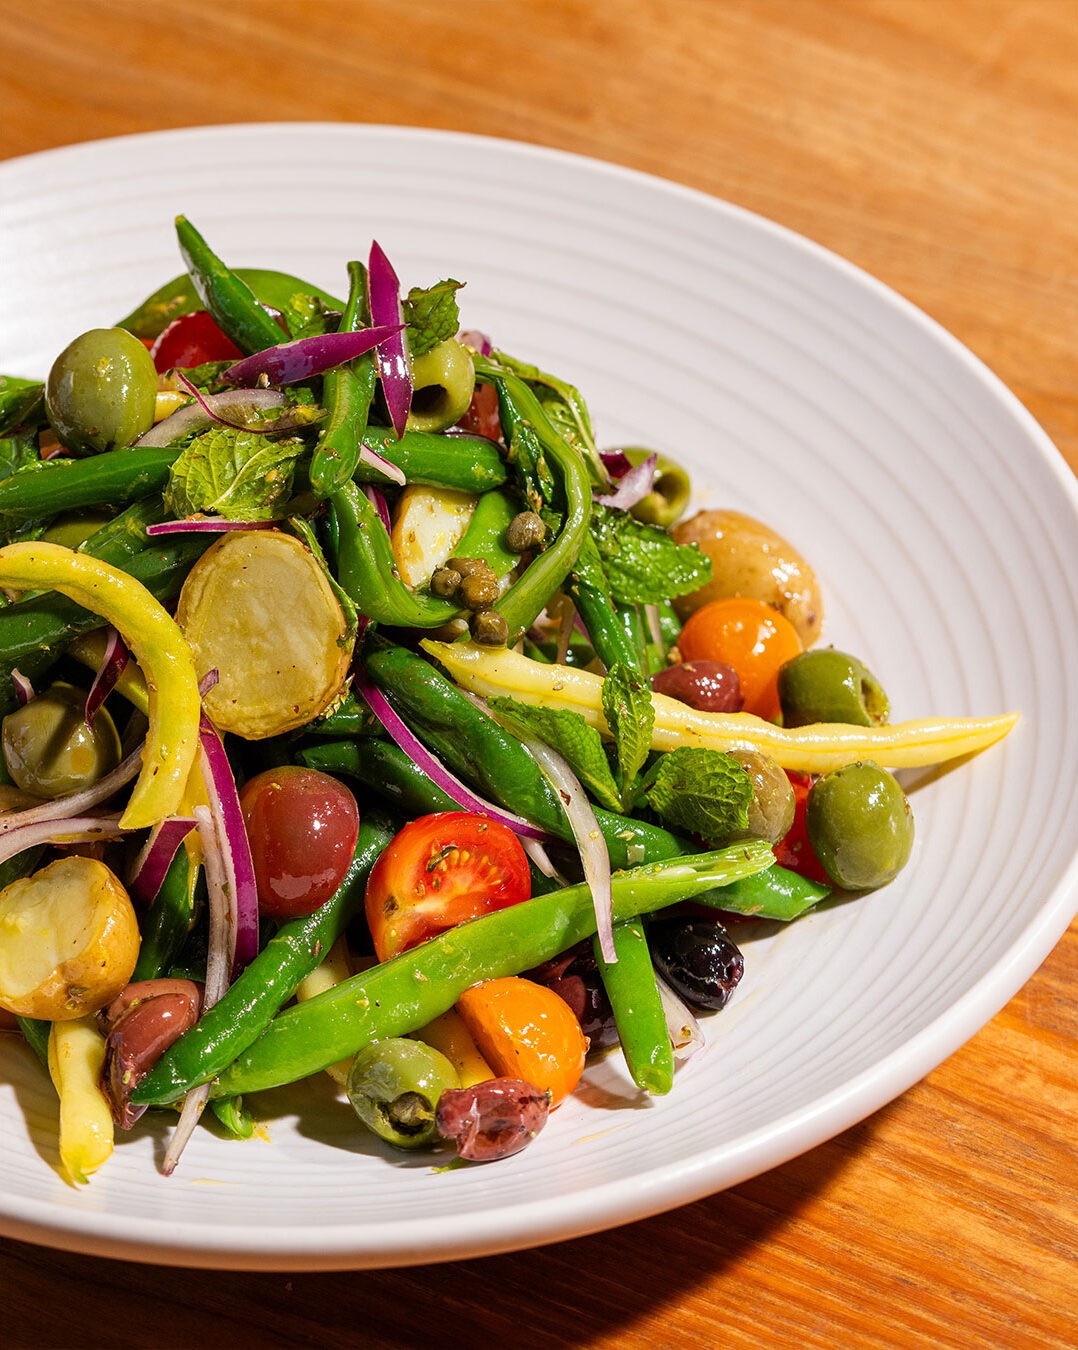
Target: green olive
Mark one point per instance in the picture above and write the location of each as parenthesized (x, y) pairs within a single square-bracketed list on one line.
[(51, 751), (825, 685), (443, 381), (394, 1085), (771, 811), (101, 391), (668, 499), (860, 825)]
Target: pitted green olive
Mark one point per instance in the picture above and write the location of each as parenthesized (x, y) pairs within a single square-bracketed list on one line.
[(668, 499), (825, 685), (101, 391), (394, 1085), (771, 811), (49, 748), (443, 381), (860, 825)]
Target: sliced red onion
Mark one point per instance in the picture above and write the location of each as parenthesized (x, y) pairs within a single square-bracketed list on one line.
[(685, 1034), (208, 525), (209, 681), (156, 857), (234, 846), (632, 486), (433, 767), (477, 341), (217, 965), (394, 367), (616, 463), (24, 690), (299, 360), (113, 664), (378, 501), (540, 857), (594, 854), (68, 830), (75, 803), (226, 409)]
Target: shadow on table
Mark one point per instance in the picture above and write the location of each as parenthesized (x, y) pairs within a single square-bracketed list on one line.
[(615, 1287)]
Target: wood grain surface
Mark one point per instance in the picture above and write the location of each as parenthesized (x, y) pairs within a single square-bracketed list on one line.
[(932, 142)]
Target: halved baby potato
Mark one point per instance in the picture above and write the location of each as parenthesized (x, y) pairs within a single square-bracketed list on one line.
[(69, 940), (259, 609), (428, 525)]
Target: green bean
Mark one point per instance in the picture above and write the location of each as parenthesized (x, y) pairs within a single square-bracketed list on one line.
[(36, 1033), (268, 982), (631, 986), (590, 593), (21, 401), (227, 296), (367, 571), (177, 297), (55, 485), (233, 1116), (411, 989), (469, 463), (347, 393), (167, 922)]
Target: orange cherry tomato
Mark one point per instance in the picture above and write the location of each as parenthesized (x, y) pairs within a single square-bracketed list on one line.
[(749, 635), (524, 1030), (794, 850), (441, 870)]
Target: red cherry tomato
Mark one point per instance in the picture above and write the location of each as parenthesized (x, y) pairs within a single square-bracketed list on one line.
[(794, 850), (481, 416), (189, 341), (303, 826), (439, 871)]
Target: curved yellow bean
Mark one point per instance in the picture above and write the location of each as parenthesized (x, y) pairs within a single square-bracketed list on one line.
[(157, 645), (76, 1058), (813, 749)]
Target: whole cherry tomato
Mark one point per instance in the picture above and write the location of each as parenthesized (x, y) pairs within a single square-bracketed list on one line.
[(749, 635), (191, 340), (794, 850), (441, 870), (302, 826)]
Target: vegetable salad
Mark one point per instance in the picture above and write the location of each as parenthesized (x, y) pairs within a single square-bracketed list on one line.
[(361, 715)]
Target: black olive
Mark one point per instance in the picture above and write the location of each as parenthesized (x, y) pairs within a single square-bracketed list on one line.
[(697, 957)]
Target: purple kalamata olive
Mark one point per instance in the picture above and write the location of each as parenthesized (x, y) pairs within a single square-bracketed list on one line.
[(140, 1035), (492, 1120), (698, 958), (710, 686), (574, 977)]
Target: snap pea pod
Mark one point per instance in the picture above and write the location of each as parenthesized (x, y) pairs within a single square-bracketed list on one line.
[(438, 459), (226, 295), (167, 922), (367, 572), (268, 982), (518, 407), (347, 393), (638, 1010), (177, 297), (408, 991), (20, 401), (485, 534), (56, 485), (478, 750)]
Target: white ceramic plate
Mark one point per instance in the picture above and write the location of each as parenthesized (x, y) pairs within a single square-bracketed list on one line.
[(941, 522)]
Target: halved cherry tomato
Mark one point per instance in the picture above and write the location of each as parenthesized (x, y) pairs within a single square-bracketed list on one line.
[(303, 826), (794, 850), (524, 1030), (191, 340), (441, 870), (481, 416), (749, 635)]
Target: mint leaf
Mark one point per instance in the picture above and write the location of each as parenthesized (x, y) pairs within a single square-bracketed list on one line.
[(19, 454), (566, 732), (432, 315), (642, 562), (630, 716), (703, 792), (236, 474)]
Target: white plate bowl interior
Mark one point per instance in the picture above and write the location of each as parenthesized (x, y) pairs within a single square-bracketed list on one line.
[(940, 521)]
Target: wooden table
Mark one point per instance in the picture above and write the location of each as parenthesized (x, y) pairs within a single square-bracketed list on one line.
[(936, 145)]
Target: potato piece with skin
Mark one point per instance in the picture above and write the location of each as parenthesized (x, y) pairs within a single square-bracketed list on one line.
[(428, 524), (258, 608), (748, 558), (69, 940)]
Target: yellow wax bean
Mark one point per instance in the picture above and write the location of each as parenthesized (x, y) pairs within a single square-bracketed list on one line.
[(817, 748), (76, 1056)]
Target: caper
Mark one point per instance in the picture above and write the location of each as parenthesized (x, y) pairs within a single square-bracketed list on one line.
[(771, 810), (443, 381), (49, 748), (525, 531), (671, 488), (394, 1085), (466, 566), (445, 581), (825, 685), (480, 590), (860, 825), (489, 628), (101, 392)]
